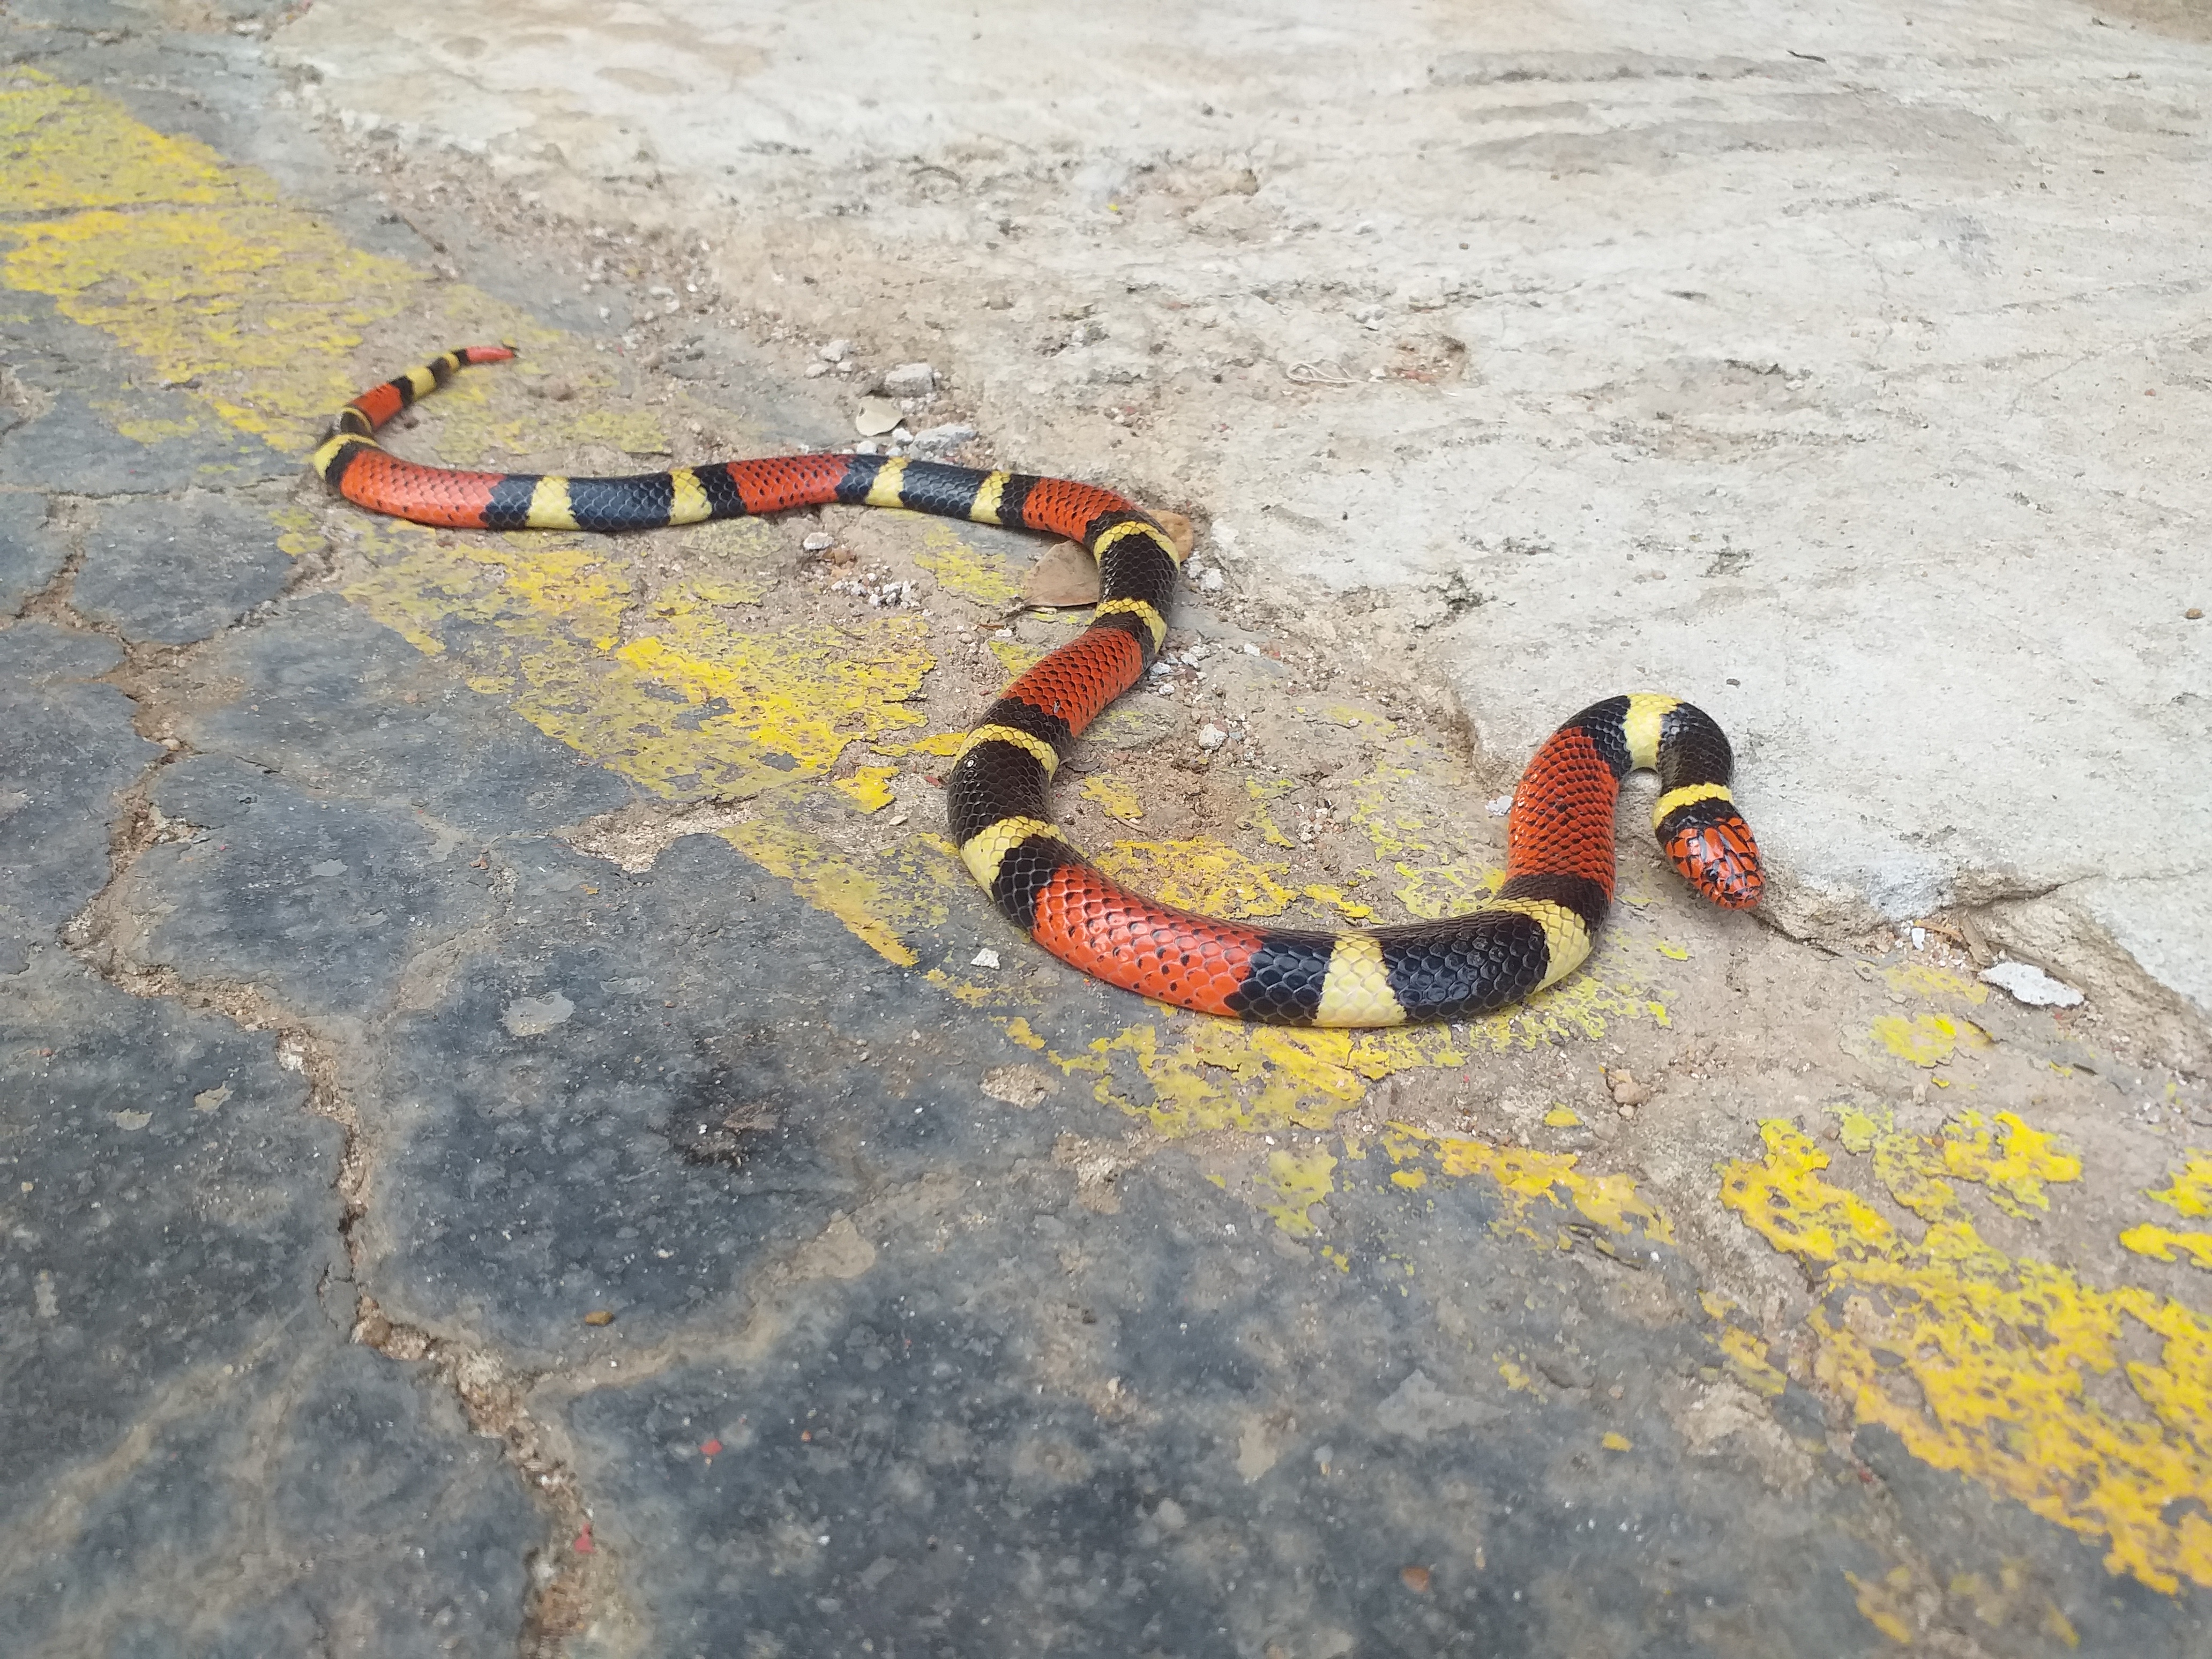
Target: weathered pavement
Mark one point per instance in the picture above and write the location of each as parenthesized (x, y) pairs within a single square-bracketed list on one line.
[(510, 1146)]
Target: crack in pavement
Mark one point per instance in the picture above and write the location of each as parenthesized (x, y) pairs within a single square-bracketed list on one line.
[(567, 1579)]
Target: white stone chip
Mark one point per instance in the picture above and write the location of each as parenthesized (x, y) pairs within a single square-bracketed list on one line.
[(2029, 984), (1211, 736), (876, 415), (1500, 807), (820, 542), (985, 957)]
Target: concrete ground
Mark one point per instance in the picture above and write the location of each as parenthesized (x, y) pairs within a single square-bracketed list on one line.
[(521, 1137)]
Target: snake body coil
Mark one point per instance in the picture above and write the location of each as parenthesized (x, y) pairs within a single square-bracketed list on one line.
[(1559, 866)]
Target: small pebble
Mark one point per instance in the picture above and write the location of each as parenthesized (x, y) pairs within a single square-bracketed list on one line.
[(950, 436), (909, 380), (820, 542), (1500, 807), (598, 1317), (985, 957), (1211, 736), (816, 371), (835, 351), (2195, 613)]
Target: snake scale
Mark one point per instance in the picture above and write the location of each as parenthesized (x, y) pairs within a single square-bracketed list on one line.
[(1559, 867)]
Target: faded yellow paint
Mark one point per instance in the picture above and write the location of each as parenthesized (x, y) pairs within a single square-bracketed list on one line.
[(1920, 979), (2008, 1159), (1411, 1180), (1526, 1176), (1746, 1361), (1351, 909), (1926, 1040), (473, 429), (869, 787), (691, 708), (824, 880), (2189, 1194), (1615, 1441), (2015, 1598), (1515, 1377), (1672, 952), (963, 569), (1116, 796), (1886, 1602), (276, 343), (1432, 892), (1296, 1182), (2161, 1243), (1015, 656), (1201, 874), (1979, 1361), (804, 691), (64, 150), (1563, 1117)]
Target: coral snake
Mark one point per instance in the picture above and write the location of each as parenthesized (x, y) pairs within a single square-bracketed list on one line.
[(1559, 866)]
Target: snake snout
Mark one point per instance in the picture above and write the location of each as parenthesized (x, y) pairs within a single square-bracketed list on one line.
[(1720, 860)]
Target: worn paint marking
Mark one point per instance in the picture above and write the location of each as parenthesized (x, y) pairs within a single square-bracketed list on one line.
[(1982, 1362), (2189, 1194)]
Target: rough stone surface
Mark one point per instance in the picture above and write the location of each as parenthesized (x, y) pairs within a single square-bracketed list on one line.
[(31, 551), (192, 1460), (175, 1206), (340, 704), (687, 1100), (71, 444), (172, 570), (67, 752), (1133, 1433), (324, 903)]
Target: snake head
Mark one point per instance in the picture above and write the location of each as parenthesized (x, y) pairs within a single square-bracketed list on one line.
[(1718, 856)]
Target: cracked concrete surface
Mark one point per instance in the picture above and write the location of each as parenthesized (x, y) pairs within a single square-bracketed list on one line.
[(464, 1193), (1843, 370)]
